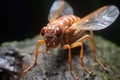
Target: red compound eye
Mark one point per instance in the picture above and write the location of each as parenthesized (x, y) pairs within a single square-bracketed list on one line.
[(58, 32), (43, 30)]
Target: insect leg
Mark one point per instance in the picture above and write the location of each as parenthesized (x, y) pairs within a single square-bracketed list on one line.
[(67, 46), (92, 35), (39, 42), (81, 55), (92, 46)]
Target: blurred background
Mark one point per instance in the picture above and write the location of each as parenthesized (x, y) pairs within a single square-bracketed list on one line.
[(21, 19)]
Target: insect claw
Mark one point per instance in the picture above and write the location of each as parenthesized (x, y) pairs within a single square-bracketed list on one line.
[(106, 70), (73, 73), (89, 72)]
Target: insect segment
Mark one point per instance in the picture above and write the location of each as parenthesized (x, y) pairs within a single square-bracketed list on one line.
[(68, 30), (53, 33)]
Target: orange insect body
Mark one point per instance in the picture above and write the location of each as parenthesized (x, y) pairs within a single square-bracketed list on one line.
[(67, 30), (54, 31), (67, 20)]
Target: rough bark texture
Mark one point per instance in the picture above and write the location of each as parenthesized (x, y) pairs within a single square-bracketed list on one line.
[(55, 66)]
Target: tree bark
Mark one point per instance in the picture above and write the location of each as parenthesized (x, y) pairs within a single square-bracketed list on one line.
[(55, 66)]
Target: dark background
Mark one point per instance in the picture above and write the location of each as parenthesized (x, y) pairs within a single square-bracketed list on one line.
[(21, 19)]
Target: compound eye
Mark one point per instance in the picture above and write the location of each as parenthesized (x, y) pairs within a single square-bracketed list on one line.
[(43, 30), (58, 32)]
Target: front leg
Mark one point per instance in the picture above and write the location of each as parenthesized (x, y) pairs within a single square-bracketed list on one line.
[(39, 42), (76, 44), (67, 46)]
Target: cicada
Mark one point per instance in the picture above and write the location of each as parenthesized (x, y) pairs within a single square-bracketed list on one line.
[(66, 29)]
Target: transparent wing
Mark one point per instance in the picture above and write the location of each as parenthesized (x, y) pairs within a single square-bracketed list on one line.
[(58, 9), (97, 20)]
